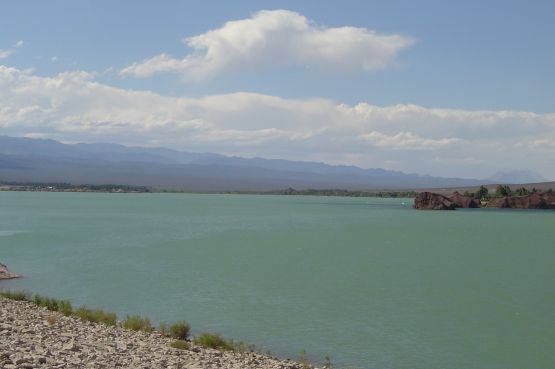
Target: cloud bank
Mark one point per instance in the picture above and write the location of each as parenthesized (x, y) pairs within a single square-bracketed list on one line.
[(74, 107), (277, 38)]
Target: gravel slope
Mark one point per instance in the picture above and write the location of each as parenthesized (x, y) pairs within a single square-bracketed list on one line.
[(33, 337)]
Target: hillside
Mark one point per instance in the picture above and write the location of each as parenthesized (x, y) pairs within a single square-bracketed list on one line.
[(38, 160)]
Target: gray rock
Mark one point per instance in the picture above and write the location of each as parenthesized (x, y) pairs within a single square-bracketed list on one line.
[(5, 273)]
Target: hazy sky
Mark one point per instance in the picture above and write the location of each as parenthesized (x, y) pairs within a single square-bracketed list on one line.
[(451, 88)]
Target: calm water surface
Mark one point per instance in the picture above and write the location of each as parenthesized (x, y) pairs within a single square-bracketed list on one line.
[(369, 282)]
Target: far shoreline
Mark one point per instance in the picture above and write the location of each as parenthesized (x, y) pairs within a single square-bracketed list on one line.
[(110, 188), (398, 192)]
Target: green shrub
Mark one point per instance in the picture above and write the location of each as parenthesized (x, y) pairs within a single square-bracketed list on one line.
[(64, 307), (303, 360), (327, 362), (52, 304), (46, 302), (16, 295), (38, 300), (180, 344), (502, 191), (180, 330), (137, 323), (243, 347), (213, 340), (85, 314), (96, 316), (163, 328)]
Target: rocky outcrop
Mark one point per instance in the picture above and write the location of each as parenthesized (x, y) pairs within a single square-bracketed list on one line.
[(545, 200), (33, 337), (461, 201), (433, 201), (5, 273)]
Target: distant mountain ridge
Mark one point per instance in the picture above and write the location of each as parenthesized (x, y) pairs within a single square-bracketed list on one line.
[(41, 160), (517, 176)]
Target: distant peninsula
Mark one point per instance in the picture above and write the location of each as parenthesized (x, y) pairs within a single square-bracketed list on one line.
[(68, 187), (503, 198)]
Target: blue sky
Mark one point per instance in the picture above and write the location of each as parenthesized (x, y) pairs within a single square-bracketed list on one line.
[(420, 86)]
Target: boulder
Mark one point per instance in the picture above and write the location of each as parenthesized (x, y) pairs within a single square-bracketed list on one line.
[(5, 273), (433, 201), (545, 200), (461, 201), (500, 202), (549, 198)]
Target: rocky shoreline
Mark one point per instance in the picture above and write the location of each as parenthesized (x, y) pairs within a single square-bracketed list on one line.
[(436, 201), (34, 337)]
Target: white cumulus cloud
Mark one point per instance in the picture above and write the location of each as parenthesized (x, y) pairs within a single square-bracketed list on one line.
[(277, 38), (407, 141), (75, 107)]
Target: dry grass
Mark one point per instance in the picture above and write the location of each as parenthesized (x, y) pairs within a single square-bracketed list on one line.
[(52, 319)]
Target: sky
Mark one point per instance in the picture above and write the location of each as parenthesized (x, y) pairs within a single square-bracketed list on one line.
[(446, 88)]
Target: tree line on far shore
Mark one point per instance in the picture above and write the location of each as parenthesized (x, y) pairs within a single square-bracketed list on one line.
[(501, 191)]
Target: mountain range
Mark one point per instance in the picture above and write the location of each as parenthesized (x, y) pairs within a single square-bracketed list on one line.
[(42, 160)]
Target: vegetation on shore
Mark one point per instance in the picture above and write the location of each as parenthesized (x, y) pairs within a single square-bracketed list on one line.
[(95, 316), (483, 193), (179, 330), (68, 187), (213, 340), (343, 193), (181, 345), (114, 188), (137, 323)]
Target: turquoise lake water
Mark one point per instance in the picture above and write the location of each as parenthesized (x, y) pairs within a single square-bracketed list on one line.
[(370, 282)]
